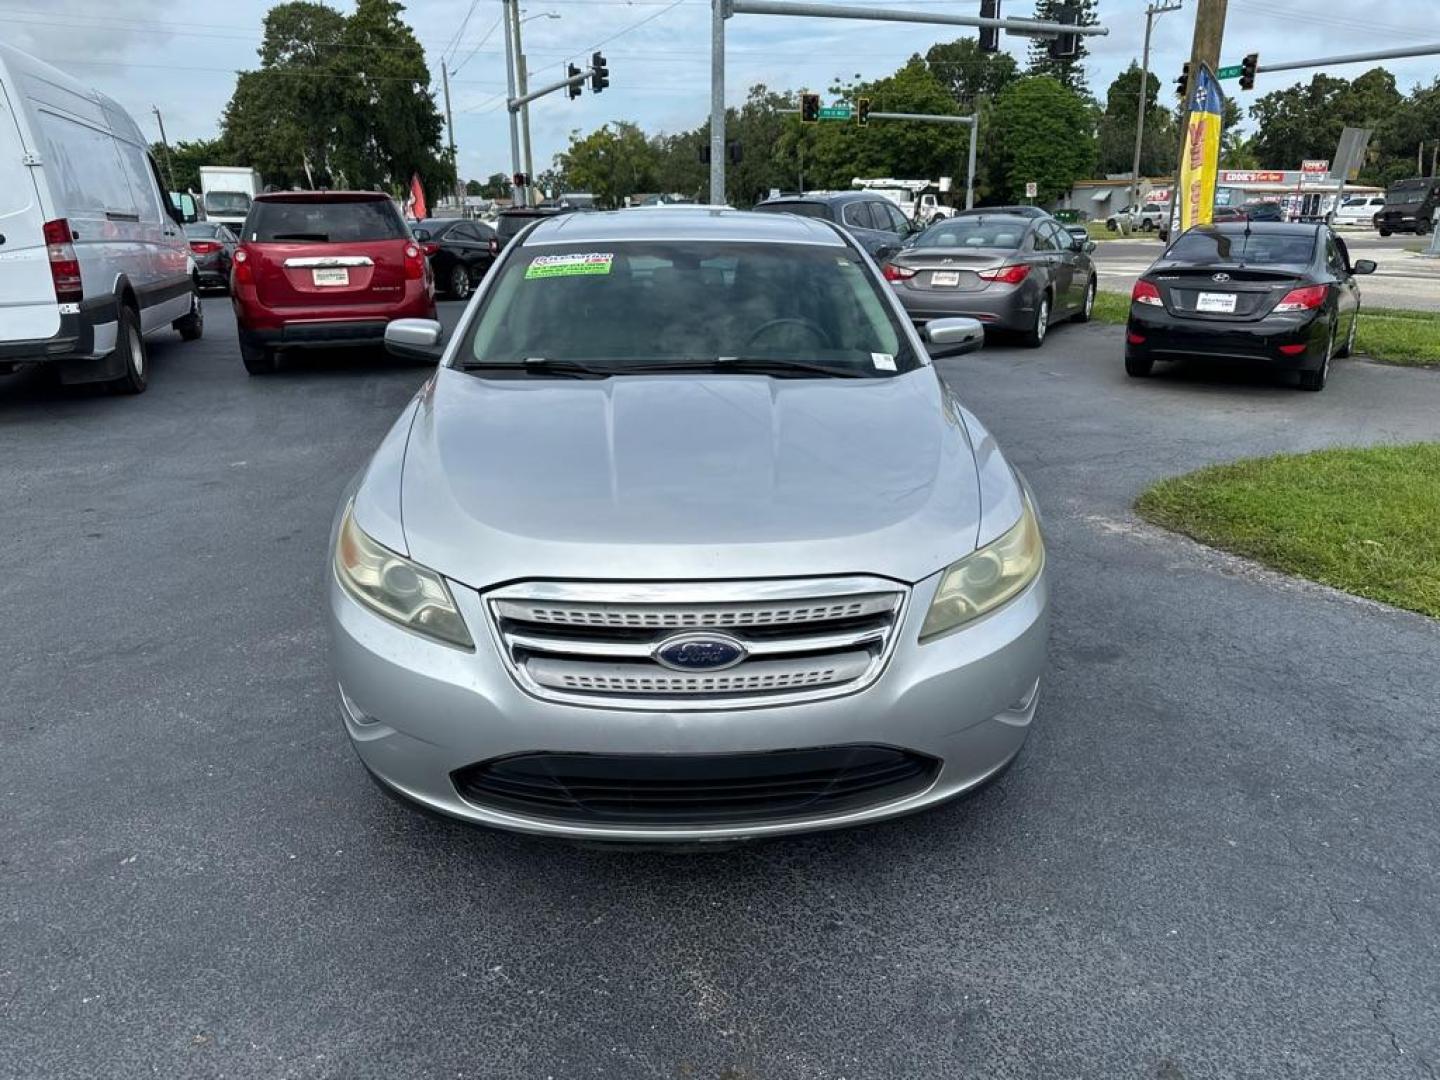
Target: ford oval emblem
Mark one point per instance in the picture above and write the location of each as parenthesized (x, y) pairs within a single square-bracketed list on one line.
[(699, 652)]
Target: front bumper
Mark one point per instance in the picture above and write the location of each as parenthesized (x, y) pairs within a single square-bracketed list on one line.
[(417, 711), (1163, 336)]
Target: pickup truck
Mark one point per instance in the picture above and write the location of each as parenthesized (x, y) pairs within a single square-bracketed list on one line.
[(1146, 218)]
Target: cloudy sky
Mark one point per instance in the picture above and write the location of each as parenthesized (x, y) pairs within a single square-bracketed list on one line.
[(181, 56)]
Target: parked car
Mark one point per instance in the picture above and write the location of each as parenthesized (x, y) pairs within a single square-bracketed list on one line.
[(1078, 232), (1262, 211), (324, 268), (459, 251), (1222, 214), (875, 221), (1410, 206), (1359, 210), (509, 223), (686, 540), (1013, 211), (212, 246), (1009, 272), (92, 259), (1143, 218), (1258, 293)]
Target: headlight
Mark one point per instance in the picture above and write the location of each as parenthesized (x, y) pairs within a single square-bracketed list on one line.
[(983, 581), (393, 586)]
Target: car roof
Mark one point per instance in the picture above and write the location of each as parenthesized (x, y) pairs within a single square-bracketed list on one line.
[(1235, 228), (826, 197), (1002, 213), (1013, 211), (685, 223), (321, 196)]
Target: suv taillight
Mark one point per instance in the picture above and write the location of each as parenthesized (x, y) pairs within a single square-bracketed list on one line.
[(244, 272), (414, 263), (64, 266)]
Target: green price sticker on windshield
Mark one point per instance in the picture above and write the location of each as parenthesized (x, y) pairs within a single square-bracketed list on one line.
[(551, 266)]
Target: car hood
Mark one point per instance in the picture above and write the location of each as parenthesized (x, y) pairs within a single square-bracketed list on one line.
[(673, 477)]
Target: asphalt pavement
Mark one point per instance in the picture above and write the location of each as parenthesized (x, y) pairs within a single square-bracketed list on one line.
[(1403, 279), (1217, 856)]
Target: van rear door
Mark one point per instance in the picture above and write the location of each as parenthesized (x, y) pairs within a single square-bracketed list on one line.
[(27, 295)]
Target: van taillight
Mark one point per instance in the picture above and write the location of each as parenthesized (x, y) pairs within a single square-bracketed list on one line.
[(414, 263), (244, 272), (64, 266)]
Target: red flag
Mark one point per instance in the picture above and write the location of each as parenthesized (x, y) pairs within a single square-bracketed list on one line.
[(418, 209)]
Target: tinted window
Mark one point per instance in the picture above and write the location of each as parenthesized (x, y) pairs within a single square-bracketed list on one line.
[(803, 209), (623, 303), (974, 232), (325, 222), (1043, 240), (85, 164), (898, 221), (142, 184), (202, 230), (857, 215), (1256, 248), (467, 232)]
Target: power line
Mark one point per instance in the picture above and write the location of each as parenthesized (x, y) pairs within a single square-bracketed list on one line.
[(459, 33), (456, 69)]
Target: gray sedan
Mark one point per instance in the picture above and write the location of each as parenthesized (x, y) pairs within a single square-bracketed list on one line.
[(1010, 272)]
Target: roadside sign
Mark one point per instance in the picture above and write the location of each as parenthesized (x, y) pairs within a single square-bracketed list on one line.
[(1032, 189), (1234, 71), (1251, 176), (835, 112), (1315, 166)]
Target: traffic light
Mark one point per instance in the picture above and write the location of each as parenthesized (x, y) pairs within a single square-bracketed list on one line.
[(989, 35), (1182, 84), (809, 108), (1066, 46), (599, 73), (1247, 71), (574, 89), (862, 111)]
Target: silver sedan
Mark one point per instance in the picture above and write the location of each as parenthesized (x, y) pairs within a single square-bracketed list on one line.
[(686, 540), (1021, 274)]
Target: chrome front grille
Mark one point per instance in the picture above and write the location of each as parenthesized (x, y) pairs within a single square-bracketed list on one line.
[(596, 644)]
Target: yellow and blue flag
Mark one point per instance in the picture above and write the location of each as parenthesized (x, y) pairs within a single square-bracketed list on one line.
[(1200, 159)]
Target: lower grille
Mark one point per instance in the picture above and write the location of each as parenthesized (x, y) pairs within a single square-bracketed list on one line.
[(708, 789), (702, 645)]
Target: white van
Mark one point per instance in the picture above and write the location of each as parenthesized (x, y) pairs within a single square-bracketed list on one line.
[(92, 257)]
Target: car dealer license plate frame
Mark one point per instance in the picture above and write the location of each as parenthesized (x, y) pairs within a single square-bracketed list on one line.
[(945, 279), (330, 277), (1216, 303)]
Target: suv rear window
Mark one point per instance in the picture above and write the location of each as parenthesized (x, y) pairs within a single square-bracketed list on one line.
[(799, 209), (310, 221)]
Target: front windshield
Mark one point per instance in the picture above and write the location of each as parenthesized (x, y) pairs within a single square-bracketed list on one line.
[(619, 305), (227, 202), (1404, 196), (974, 232)]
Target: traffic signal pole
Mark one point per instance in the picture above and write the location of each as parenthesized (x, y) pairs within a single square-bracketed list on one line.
[(724, 9), (517, 194)]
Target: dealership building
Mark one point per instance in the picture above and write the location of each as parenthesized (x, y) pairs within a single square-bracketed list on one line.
[(1303, 193)]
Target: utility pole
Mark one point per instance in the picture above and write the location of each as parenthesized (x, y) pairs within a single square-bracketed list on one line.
[(517, 193), (165, 145), (1150, 12), (1209, 35), (719, 12), (450, 129), (520, 85)]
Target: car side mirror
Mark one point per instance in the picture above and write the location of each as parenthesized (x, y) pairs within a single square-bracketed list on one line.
[(953, 337), (414, 339), (421, 234), (1364, 266), (1088, 247)]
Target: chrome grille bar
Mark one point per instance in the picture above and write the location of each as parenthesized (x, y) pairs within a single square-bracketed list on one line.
[(596, 643)]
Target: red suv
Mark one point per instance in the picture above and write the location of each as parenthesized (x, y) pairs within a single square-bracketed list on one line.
[(317, 269)]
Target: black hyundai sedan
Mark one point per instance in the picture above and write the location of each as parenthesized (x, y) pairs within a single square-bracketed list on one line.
[(1255, 293)]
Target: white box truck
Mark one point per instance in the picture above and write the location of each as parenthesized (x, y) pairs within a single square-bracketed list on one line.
[(93, 258), (227, 191)]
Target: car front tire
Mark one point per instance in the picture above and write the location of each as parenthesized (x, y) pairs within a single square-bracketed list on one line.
[(1087, 306)]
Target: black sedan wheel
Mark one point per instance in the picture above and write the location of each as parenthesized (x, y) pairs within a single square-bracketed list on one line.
[(459, 283), (1315, 380), (1087, 306), (1138, 367)]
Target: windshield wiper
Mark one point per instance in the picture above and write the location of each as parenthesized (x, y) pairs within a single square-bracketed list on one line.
[(748, 365), (540, 364)]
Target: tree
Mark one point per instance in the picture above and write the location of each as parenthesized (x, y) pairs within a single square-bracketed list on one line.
[(1116, 135), (338, 100), (611, 163), (970, 73), (1068, 73), (496, 186), (1040, 131), (185, 158), (1305, 120)]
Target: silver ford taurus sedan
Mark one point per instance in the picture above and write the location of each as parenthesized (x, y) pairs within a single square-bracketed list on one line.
[(686, 540)]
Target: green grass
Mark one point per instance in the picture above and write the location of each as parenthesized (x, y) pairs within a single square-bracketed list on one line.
[(1098, 231), (1361, 520), (1391, 335)]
